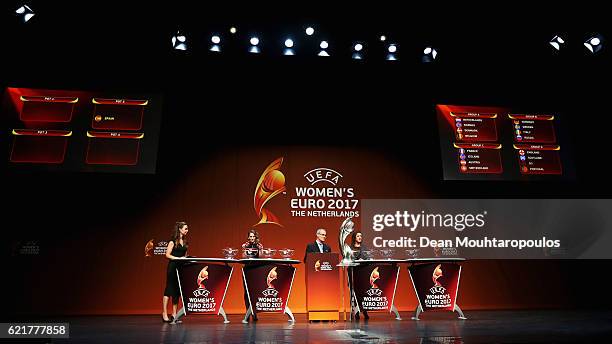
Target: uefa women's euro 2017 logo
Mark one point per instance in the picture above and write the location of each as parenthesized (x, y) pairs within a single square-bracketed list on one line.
[(374, 290), (437, 287), (152, 249), (271, 291), (375, 275), (271, 183), (438, 297), (202, 276), (323, 196), (323, 266), (149, 248), (375, 298), (322, 174)]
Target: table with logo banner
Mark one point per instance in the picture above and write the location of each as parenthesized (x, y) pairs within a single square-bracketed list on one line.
[(436, 283), (372, 285), (268, 285), (203, 284)]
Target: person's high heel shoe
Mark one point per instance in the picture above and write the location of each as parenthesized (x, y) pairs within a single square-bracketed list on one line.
[(170, 318)]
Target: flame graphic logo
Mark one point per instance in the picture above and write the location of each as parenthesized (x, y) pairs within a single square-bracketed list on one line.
[(317, 265), (375, 275), (203, 275), (149, 248), (270, 184), (437, 273), (272, 275)]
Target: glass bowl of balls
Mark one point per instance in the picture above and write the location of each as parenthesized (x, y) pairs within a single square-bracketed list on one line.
[(286, 253), (229, 253), (268, 252)]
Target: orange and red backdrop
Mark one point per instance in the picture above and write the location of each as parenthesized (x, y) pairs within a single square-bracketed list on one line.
[(92, 230)]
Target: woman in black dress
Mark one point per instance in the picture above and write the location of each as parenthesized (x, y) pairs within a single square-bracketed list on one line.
[(252, 249), (358, 253), (177, 249)]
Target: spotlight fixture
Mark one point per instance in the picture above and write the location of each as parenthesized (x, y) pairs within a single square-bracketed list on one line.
[(233, 30), (556, 42), (357, 51), (179, 41), (216, 40), (429, 54), (323, 45), (25, 12), (289, 47), (594, 44), (383, 38), (254, 45), (310, 31), (392, 49)]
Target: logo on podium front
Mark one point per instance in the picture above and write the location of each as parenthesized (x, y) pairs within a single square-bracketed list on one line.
[(323, 266), (271, 291), (437, 287), (374, 290), (438, 297), (202, 276), (269, 286), (203, 287), (374, 286), (442, 294)]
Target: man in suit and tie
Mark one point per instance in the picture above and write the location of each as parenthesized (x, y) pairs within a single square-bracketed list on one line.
[(319, 246)]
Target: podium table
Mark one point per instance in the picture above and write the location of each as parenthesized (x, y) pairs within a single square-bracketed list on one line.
[(268, 284), (322, 286), (436, 283), (372, 285), (203, 284)]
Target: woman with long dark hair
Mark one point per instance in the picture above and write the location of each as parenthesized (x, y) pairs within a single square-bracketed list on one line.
[(252, 247), (357, 246), (176, 250), (358, 253), (252, 244)]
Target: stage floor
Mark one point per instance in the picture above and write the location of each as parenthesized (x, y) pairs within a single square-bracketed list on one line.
[(481, 327)]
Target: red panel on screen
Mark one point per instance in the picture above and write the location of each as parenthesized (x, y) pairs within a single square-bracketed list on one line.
[(114, 148), (39, 146), (538, 159), (117, 114), (47, 108)]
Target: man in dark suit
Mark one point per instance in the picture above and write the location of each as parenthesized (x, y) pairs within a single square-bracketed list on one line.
[(319, 245)]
